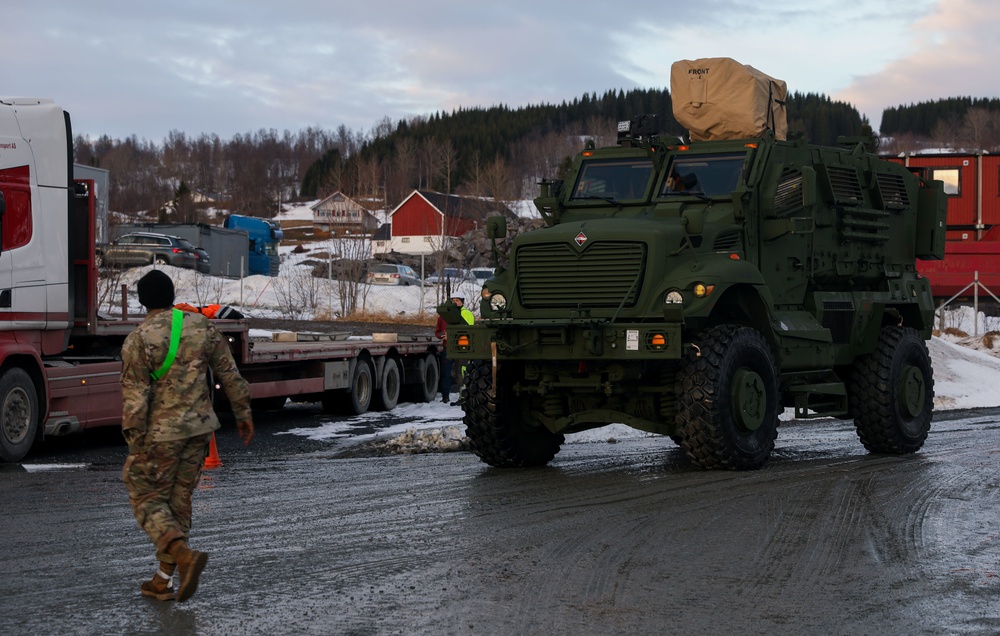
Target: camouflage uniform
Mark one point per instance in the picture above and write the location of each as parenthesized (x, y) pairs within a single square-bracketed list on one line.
[(168, 422)]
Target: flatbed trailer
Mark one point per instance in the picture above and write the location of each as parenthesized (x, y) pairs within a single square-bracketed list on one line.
[(60, 362)]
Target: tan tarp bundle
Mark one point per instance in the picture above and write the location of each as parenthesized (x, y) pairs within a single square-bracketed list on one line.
[(719, 98)]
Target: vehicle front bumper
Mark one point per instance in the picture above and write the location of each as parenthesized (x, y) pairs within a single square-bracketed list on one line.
[(528, 340)]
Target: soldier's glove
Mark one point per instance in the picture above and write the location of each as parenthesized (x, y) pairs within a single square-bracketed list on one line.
[(245, 430)]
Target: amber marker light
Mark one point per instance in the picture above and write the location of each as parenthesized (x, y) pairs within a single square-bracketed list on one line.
[(462, 342), (588, 153), (734, 257), (701, 290), (658, 340), (751, 145)]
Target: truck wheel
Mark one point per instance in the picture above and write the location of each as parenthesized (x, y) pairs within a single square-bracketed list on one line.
[(727, 399), (360, 395), (498, 430), (430, 377), (18, 415), (892, 393), (386, 396)]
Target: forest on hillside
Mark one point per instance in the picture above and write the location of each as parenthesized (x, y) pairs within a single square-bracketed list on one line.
[(498, 152)]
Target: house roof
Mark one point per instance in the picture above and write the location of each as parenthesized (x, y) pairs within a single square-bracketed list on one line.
[(383, 233), (457, 207), (337, 201)]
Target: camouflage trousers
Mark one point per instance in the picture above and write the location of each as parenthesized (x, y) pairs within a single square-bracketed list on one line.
[(160, 481)]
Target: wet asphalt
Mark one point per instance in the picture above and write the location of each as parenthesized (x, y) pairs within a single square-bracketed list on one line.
[(614, 537)]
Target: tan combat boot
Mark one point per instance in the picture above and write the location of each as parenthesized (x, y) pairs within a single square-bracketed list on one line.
[(190, 563), (161, 586)]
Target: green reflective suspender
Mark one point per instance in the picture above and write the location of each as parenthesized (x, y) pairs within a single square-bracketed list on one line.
[(176, 324)]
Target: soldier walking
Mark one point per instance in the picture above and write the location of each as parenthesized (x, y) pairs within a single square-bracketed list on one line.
[(168, 422)]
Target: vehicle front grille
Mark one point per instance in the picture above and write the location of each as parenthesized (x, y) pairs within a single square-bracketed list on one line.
[(562, 275)]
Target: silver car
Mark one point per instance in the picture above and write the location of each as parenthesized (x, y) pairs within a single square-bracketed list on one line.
[(386, 274)]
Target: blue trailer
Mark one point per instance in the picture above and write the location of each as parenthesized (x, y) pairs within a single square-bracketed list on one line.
[(264, 237)]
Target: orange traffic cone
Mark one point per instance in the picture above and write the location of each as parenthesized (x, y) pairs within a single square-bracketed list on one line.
[(212, 461)]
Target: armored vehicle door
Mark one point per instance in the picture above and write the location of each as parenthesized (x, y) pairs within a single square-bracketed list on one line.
[(786, 234)]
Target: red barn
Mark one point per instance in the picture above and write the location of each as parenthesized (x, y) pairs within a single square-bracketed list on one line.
[(426, 222)]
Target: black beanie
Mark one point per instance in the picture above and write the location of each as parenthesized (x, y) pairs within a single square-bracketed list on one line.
[(156, 290)]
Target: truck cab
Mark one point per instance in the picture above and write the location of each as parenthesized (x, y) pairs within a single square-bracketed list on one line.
[(264, 236)]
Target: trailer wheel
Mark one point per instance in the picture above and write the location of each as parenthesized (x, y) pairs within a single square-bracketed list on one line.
[(386, 396), (499, 432), (426, 388), (727, 399), (892, 393), (18, 415)]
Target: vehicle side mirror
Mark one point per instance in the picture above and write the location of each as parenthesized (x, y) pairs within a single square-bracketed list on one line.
[(496, 227)]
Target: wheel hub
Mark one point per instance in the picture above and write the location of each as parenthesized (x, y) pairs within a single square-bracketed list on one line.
[(748, 398), (15, 416), (912, 390)]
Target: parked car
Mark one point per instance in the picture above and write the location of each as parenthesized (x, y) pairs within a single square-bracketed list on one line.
[(480, 274), (387, 274), (204, 262), (145, 248), (449, 274)]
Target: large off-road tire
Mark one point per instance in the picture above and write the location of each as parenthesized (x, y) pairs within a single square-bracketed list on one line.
[(426, 389), (356, 399), (496, 426), (892, 393), (18, 415), (727, 399), (386, 396)]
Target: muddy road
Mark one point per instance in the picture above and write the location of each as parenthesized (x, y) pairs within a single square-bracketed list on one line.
[(611, 538)]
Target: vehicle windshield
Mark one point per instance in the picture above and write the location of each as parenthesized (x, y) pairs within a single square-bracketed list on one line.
[(704, 175), (613, 179)]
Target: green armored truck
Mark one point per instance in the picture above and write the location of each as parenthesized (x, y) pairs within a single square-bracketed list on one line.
[(696, 289)]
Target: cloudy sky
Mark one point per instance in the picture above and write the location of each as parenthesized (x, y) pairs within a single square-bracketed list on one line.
[(123, 67)]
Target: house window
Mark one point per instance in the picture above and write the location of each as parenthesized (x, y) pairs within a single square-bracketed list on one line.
[(406, 239), (427, 239), (951, 178)]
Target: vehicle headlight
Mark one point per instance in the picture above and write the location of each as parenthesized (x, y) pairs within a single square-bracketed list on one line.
[(498, 302), (673, 297)]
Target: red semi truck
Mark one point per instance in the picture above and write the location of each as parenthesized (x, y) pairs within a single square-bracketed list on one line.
[(972, 246), (60, 364)]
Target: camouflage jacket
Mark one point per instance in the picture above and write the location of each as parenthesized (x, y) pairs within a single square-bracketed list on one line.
[(177, 406)]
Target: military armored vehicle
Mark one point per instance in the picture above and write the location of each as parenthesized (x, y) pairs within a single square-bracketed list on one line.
[(697, 289)]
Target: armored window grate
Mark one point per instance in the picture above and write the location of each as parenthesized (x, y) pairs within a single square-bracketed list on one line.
[(604, 274), (788, 198), (892, 191), (728, 241), (845, 185), (838, 305)]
